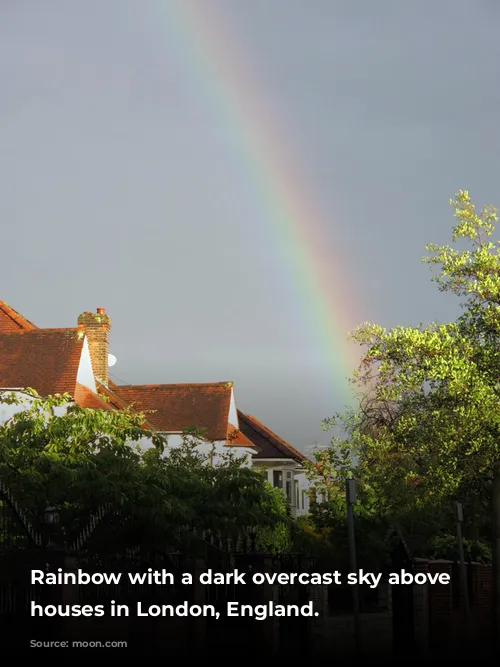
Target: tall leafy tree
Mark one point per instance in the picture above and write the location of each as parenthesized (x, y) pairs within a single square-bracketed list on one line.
[(428, 426)]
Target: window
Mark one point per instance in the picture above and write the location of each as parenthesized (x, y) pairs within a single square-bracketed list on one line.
[(297, 493), (278, 478), (303, 499), (289, 488)]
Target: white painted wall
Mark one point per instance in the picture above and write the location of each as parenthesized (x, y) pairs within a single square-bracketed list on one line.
[(8, 411), (303, 500), (298, 475), (85, 375), (233, 413), (243, 454), (25, 401)]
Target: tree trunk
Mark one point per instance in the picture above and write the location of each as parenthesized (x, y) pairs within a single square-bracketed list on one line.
[(495, 505)]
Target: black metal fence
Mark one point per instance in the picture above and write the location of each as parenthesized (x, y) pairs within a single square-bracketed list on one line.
[(20, 553)]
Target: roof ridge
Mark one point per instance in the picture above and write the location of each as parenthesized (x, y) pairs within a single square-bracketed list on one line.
[(111, 393), (267, 432), (226, 385), (16, 317), (43, 330)]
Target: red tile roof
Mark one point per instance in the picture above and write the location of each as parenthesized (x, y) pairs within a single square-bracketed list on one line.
[(111, 396), (235, 438), (270, 444), (46, 360), (55, 381), (175, 407), (112, 399), (86, 398), (11, 321)]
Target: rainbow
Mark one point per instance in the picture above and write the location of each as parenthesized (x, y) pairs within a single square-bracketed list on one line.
[(224, 77)]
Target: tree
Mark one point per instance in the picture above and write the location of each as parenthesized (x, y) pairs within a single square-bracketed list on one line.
[(53, 452), (439, 439), (332, 467)]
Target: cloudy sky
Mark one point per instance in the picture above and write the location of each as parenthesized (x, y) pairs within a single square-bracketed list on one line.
[(139, 172)]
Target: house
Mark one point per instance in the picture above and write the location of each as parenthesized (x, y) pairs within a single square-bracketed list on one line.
[(283, 465), (76, 361)]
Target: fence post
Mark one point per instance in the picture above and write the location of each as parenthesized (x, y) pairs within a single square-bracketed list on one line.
[(199, 623), (70, 594), (421, 611), (266, 635), (351, 499), (459, 517), (53, 595)]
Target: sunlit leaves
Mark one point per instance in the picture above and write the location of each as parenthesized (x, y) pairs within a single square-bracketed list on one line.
[(473, 273), (55, 452)]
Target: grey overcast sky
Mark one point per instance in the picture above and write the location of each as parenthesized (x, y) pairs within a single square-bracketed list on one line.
[(120, 186)]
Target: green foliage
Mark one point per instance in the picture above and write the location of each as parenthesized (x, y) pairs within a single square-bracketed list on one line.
[(427, 426), (445, 546), (312, 540), (53, 452), (274, 538)]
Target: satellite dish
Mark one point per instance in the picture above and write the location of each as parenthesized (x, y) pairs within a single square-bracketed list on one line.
[(111, 360)]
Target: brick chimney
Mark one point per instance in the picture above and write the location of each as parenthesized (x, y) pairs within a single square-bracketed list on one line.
[(97, 326)]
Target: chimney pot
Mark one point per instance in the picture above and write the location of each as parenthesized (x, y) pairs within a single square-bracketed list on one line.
[(101, 311)]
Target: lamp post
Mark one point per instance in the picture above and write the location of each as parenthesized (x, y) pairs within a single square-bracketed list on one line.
[(52, 594), (351, 500), (253, 539), (459, 518), (51, 518)]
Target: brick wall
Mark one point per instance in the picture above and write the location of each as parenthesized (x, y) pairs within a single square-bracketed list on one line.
[(97, 327), (440, 611), (481, 600)]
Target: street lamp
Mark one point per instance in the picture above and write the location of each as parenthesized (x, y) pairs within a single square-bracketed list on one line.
[(459, 518), (253, 538), (51, 517)]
